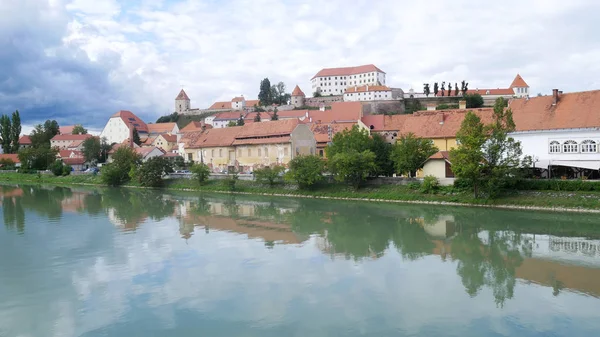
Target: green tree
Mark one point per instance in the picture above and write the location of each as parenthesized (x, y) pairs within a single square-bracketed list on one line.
[(426, 89), (240, 121), (7, 164), (232, 123), (410, 153), (275, 117), (265, 95), (117, 173), (105, 148), (279, 95), (201, 172), (474, 101), (79, 130), (39, 158), (467, 158), (257, 117), (136, 137), (352, 167), (15, 131), (172, 118), (355, 139), (150, 173), (57, 168), (317, 94), (306, 171), (269, 175), (6, 133), (43, 133), (92, 149), (383, 151)]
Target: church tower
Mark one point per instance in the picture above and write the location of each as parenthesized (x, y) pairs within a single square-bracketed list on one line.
[(182, 102)]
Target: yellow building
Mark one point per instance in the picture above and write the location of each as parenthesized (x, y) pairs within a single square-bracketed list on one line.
[(165, 141), (250, 146)]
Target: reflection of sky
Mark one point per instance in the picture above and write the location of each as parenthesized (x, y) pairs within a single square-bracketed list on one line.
[(82, 277)]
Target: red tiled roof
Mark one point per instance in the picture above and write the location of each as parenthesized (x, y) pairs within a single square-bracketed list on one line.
[(367, 88), (518, 82), (340, 112), (321, 131), (251, 115), (131, 120), (441, 155), (237, 99), (194, 126), (220, 105), (74, 144), (10, 156), (182, 96), (229, 115), (268, 129), (161, 127), (144, 151), (171, 138), (70, 137), (25, 140), (74, 161), (67, 153), (498, 91), (252, 102), (297, 91), (270, 140), (376, 121), (66, 129), (211, 138), (369, 68), (291, 113), (572, 111)]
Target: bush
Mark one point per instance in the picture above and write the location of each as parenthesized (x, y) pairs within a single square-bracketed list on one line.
[(201, 172), (231, 181), (269, 175), (66, 170), (352, 167), (462, 184), (415, 185), (117, 173), (150, 173), (445, 106), (556, 185), (430, 185), (473, 101), (57, 168), (7, 164), (306, 171)]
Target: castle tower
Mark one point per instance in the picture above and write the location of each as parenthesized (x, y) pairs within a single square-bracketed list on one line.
[(182, 102), (298, 97), (520, 87)]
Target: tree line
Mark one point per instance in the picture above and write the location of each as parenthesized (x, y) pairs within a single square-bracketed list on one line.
[(272, 94), (10, 132)]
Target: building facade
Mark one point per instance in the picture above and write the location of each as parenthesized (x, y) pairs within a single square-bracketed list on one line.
[(68, 141), (298, 97), (335, 81), (120, 126), (367, 93)]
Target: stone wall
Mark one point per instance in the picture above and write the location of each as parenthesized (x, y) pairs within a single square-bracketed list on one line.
[(383, 107), (327, 100)]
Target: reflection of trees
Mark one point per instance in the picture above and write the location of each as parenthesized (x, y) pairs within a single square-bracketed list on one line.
[(14, 214), (492, 263), (132, 207), (411, 240), (93, 203)]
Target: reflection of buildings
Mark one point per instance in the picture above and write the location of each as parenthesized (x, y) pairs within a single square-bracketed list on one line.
[(238, 217), (556, 262)]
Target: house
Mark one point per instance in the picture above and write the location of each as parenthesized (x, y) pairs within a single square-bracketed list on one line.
[(561, 130), (68, 141), (264, 117), (222, 119), (24, 142), (274, 142), (158, 128), (335, 81), (120, 126), (324, 133), (340, 112), (62, 154), (213, 147), (77, 163), (149, 152), (13, 157), (297, 97), (518, 88), (236, 103), (439, 166), (165, 141), (367, 93), (66, 129)]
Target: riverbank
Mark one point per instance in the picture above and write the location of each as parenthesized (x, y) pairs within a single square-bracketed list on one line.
[(530, 200)]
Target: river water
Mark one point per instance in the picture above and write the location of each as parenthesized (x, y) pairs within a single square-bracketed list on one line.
[(119, 262)]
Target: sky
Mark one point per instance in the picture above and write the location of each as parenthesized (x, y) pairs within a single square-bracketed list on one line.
[(79, 61)]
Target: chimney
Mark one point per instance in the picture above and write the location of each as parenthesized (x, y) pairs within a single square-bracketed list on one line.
[(554, 96), (431, 107), (462, 104)]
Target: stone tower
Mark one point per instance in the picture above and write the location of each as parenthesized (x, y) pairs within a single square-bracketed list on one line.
[(182, 102), (298, 97)]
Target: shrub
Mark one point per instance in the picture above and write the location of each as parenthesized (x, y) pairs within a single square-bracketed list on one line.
[(7, 164), (117, 172), (430, 185), (415, 185), (66, 170), (352, 167), (306, 171), (201, 172), (150, 173), (231, 180), (556, 185), (269, 175), (57, 168)]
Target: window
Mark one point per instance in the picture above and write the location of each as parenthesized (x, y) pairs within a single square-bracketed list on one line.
[(220, 152), (212, 153), (336, 78), (320, 153), (554, 147), (190, 158), (249, 152), (589, 146), (570, 146), (259, 152)]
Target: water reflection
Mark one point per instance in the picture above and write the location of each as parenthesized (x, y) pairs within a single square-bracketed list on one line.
[(490, 249)]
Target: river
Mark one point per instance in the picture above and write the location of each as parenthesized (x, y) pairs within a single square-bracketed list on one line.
[(124, 262)]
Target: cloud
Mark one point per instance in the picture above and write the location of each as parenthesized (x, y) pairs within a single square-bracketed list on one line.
[(85, 59)]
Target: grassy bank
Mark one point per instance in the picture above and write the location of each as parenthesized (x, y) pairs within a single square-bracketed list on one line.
[(589, 200)]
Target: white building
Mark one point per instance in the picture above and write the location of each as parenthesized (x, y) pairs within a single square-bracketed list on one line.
[(562, 130), (367, 93), (121, 124), (335, 81)]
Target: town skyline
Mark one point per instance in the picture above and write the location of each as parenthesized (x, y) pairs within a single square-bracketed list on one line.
[(84, 60)]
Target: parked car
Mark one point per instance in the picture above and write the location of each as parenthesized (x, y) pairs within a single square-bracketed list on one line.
[(92, 170), (182, 171)]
